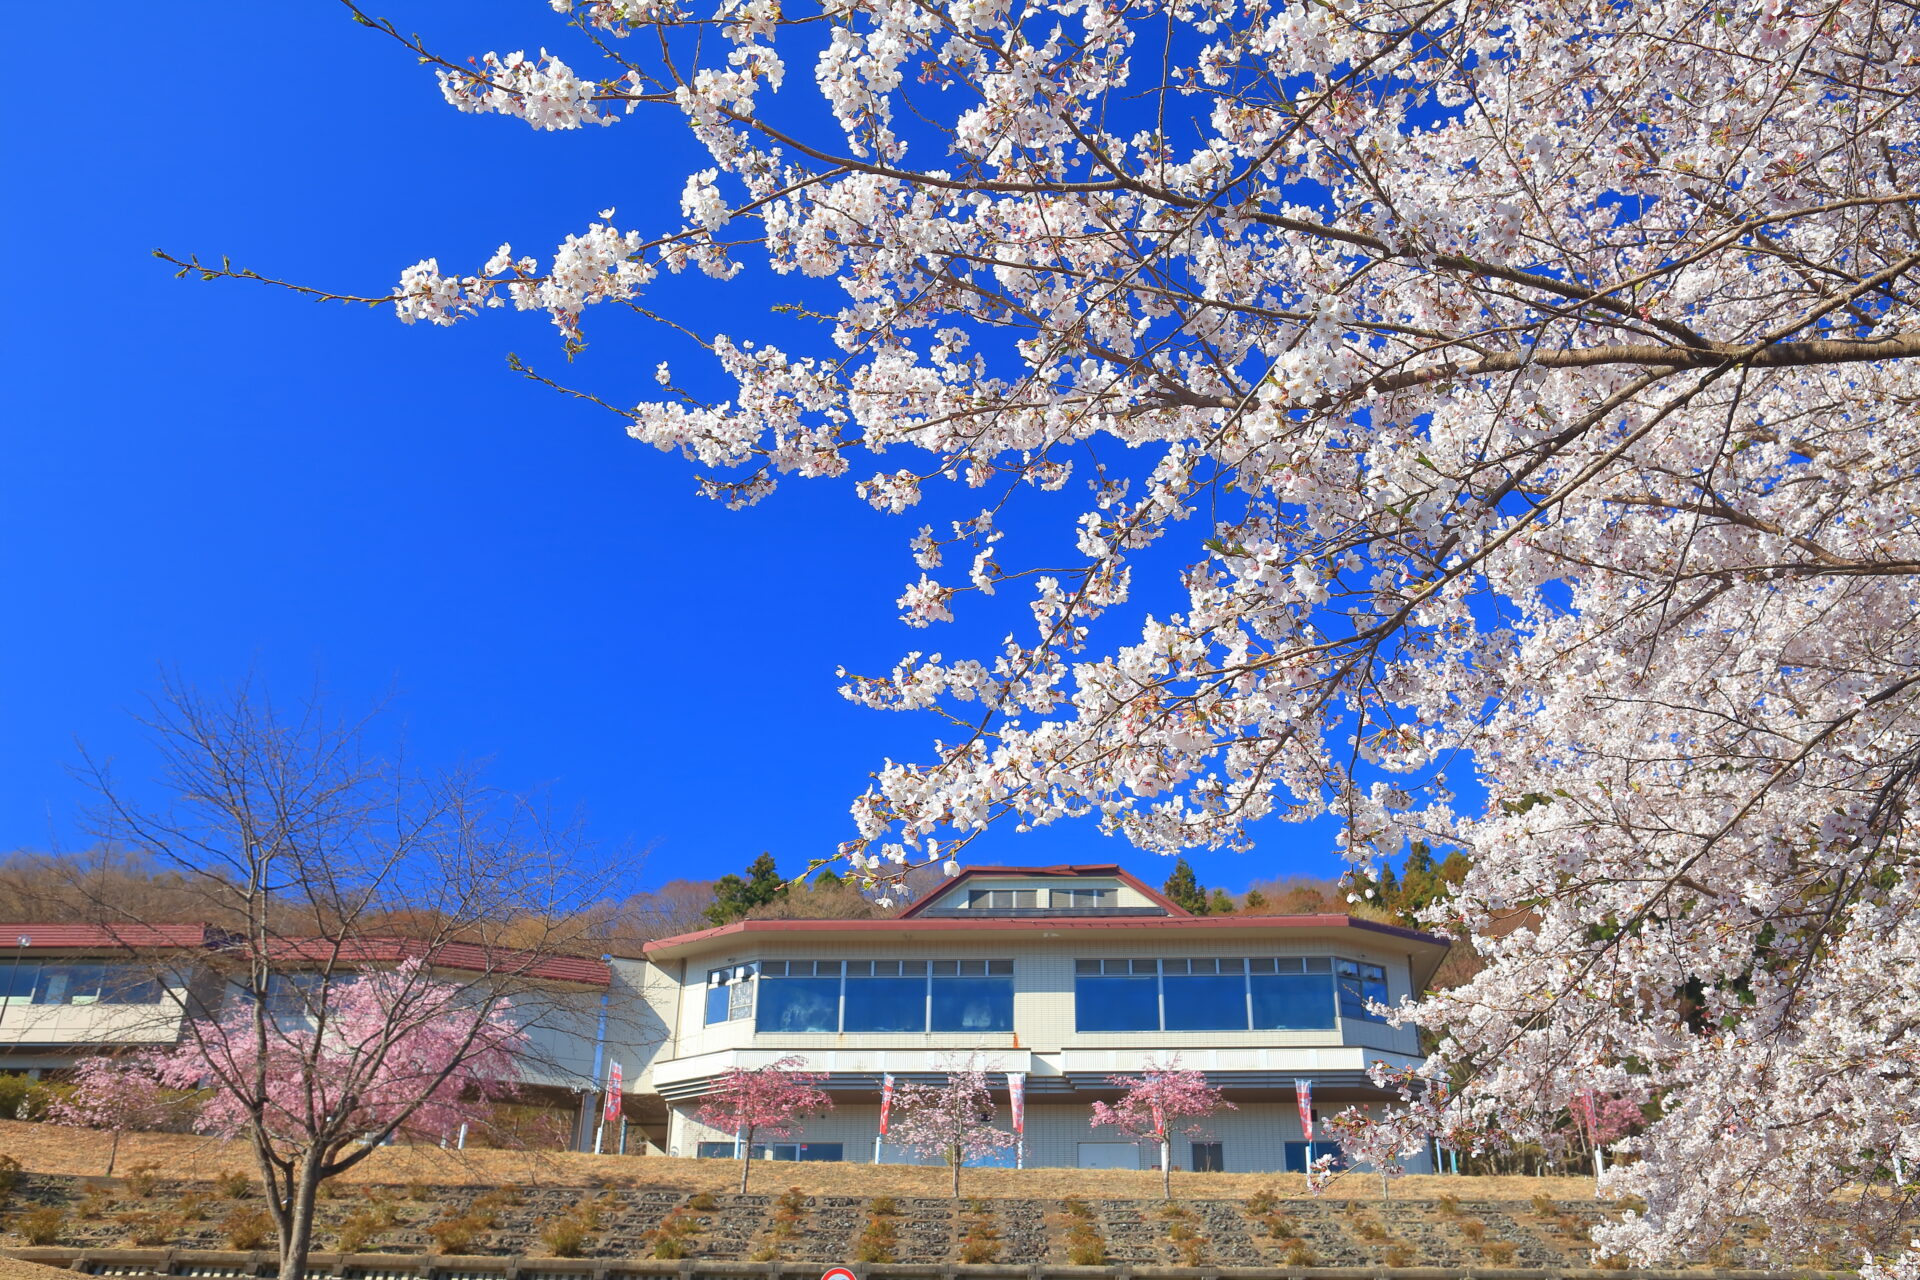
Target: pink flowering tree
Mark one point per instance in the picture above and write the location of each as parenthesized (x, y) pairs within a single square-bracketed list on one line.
[(951, 1121), (382, 935), (316, 1089), (769, 1101), (120, 1095), (1516, 391), (1162, 1102)]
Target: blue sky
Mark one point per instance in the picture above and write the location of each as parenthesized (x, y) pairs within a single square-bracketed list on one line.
[(225, 478)]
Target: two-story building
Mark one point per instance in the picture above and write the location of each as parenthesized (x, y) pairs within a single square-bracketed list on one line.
[(1065, 976)]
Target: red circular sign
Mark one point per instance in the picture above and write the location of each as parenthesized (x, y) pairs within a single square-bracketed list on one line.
[(839, 1273)]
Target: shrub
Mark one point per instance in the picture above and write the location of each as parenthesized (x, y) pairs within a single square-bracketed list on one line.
[(884, 1206), (354, 1234), (143, 1180), (1499, 1252), (1473, 1229), (1544, 1207), (1368, 1228), (1193, 1252), (9, 1174), (1261, 1203), (566, 1237), (1300, 1254), (1612, 1262), (1075, 1207), (766, 1253), (23, 1098), (234, 1186), (976, 1249), (1281, 1226), (1091, 1252), (192, 1206), (865, 1250), (1174, 1209), (41, 1226), (246, 1229), (665, 1247), (419, 1192), (1181, 1231), (1448, 1204), (1401, 1254), (704, 1202), (793, 1200), (455, 1234), (149, 1229)]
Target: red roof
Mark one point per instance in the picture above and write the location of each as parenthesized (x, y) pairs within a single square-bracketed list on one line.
[(1050, 924), (464, 956), (1072, 870), (97, 937)]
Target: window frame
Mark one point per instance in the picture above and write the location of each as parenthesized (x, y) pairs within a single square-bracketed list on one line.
[(1330, 969)]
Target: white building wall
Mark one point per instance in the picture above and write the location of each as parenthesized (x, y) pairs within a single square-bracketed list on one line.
[(1253, 1137), (1043, 1007)]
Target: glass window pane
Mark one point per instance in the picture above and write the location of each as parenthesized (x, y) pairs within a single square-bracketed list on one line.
[(972, 1004), (1116, 1004), (18, 981), (1209, 1003), (716, 1004), (1360, 983), (740, 1000), (886, 1004), (799, 1004), (1292, 1002), (129, 985)]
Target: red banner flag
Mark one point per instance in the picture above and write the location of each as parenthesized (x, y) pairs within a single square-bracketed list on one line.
[(614, 1092), (886, 1100), (1017, 1100), (1303, 1096)]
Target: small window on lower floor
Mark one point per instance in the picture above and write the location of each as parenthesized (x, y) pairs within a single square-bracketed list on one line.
[(1207, 1157), (726, 1151), (1300, 1154), (808, 1151)]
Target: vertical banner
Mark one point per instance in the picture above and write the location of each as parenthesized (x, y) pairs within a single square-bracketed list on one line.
[(1017, 1104), (615, 1089), (886, 1100), (1303, 1098)]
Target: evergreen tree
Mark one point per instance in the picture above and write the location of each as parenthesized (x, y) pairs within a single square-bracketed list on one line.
[(1219, 903), (1184, 888), (1255, 900), (733, 897)]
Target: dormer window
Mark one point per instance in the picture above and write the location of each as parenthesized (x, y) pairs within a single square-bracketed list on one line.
[(1084, 899), (1003, 899)]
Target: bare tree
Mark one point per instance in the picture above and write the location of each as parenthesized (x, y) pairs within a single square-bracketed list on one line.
[(326, 868)]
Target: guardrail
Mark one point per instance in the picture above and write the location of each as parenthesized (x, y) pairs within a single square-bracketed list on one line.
[(203, 1264)]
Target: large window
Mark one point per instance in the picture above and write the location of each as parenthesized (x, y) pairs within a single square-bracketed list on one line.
[(1205, 995), (729, 994), (799, 995), (1284, 993), (1360, 983), (33, 982), (777, 1151), (1083, 898), (1116, 995), (1292, 993), (971, 995), (884, 995)]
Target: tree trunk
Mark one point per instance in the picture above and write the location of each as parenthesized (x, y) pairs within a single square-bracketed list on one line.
[(1166, 1168), (746, 1159), (113, 1153), (954, 1160), (296, 1239)]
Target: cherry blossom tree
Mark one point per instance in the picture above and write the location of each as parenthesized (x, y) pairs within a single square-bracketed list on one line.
[(384, 937), (1154, 1104), (771, 1101), (952, 1120), (119, 1094), (1536, 381)]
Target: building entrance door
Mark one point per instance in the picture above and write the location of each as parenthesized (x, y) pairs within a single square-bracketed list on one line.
[(1109, 1155)]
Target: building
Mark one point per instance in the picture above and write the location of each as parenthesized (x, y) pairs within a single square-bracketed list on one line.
[(1065, 976), (68, 991)]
